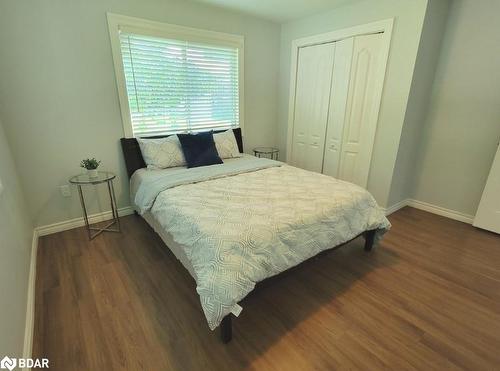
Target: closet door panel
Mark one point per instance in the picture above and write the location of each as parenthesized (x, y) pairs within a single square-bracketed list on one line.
[(338, 101), (361, 120), (312, 94)]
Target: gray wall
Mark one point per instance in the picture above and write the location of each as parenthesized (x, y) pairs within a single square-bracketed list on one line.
[(16, 233), (463, 124), (418, 103), (409, 18), (58, 97)]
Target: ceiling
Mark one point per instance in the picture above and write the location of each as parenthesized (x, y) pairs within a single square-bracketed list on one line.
[(280, 11)]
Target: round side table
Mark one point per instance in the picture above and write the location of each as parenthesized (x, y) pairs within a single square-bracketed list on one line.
[(102, 177), (268, 152)]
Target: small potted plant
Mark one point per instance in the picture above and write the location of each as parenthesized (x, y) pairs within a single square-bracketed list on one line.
[(91, 164)]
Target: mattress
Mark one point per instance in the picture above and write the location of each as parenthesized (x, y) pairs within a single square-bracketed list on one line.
[(143, 175), (236, 224)]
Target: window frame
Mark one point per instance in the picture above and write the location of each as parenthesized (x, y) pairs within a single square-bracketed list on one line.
[(117, 22)]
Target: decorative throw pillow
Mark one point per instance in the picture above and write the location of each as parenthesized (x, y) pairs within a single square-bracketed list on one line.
[(162, 152), (199, 149), (226, 144)]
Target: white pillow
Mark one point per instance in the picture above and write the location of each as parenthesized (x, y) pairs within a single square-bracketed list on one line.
[(162, 152), (226, 144)]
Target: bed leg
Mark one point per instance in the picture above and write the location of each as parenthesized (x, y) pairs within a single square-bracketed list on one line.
[(369, 239), (226, 329)]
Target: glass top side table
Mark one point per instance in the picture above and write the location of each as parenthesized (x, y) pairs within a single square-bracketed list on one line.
[(269, 152), (102, 177)]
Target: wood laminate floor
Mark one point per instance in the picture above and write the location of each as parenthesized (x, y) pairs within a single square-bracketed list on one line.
[(427, 298)]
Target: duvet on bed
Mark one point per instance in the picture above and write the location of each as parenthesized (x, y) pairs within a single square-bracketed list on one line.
[(250, 219)]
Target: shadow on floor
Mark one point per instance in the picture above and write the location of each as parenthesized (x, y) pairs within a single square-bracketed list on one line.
[(302, 300)]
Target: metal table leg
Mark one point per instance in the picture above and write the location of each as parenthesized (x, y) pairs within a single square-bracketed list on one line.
[(85, 216), (114, 207), (114, 211)]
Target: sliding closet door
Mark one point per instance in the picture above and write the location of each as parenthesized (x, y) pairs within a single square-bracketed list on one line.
[(338, 101), (365, 86), (312, 95)]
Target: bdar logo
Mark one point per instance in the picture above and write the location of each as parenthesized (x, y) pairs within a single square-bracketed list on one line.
[(7, 362)]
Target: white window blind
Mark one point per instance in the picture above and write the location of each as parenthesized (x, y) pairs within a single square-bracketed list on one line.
[(178, 86)]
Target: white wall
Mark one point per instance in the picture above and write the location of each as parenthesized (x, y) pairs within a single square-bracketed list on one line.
[(409, 17), (418, 103), (58, 96), (463, 124), (16, 233)]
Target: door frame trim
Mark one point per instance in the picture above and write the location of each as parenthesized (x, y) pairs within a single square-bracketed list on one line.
[(384, 26)]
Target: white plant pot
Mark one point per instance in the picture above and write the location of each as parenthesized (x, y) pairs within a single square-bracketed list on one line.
[(92, 173)]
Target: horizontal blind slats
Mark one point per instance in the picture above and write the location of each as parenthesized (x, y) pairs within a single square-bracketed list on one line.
[(157, 51), (173, 47), (178, 86)]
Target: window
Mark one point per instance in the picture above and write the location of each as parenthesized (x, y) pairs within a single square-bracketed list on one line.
[(174, 79)]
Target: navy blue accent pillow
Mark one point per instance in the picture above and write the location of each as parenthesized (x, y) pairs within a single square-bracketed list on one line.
[(199, 149)]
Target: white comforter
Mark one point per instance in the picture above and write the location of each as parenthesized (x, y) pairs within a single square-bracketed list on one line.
[(239, 227)]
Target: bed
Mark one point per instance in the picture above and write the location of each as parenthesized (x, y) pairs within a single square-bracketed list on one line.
[(239, 223)]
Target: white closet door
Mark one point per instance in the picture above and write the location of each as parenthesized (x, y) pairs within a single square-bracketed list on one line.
[(338, 100), (312, 94), (488, 213), (366, 79)]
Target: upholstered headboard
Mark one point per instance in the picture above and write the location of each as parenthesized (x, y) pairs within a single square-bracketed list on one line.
[(133, 155)]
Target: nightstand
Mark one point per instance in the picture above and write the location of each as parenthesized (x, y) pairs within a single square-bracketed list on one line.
[(268, 152), (101, 178)]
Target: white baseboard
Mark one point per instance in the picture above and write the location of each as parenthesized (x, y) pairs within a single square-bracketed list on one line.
[(396, 207), (438, 210), (30, 303), (434, 209), (79, 222)]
